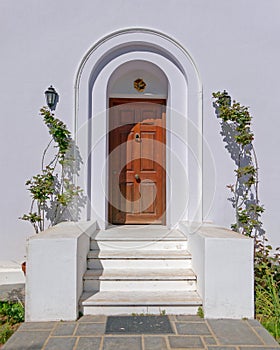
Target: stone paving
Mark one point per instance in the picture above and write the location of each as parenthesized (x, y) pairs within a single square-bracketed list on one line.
[(189, 332)]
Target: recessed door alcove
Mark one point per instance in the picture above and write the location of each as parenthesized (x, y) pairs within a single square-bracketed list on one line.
[(170, 73)]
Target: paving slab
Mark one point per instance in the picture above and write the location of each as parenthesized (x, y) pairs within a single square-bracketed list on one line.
[(37, 326), (93, 318), (262, 332), (64, 328), (190, 332), (189, 318), (123, 343), (90, 328), (155, 343), (222, 348), (60, 343), (195, 328), (234, 332), (31, 340), (209, 340), (254, 323), (265, 336), (89, 343), (185, 342)]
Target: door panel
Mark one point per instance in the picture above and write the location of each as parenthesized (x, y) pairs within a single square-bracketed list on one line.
[(137, 161)]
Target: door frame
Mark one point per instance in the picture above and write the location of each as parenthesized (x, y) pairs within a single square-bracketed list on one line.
[(126, 100)]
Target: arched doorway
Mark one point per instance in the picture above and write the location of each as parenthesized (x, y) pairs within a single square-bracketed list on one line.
[(95, 85)]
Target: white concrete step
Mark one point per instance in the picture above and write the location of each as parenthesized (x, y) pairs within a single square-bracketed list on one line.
[(139, 233), (125, 303), (11, 272), (130, 280), (138, 254), (139, 237), (138, 245), (135, 259), (140, 274), (139, 263), (135, 285)]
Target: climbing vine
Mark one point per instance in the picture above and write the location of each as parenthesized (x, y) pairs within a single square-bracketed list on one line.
[(54, 195), (237, 133)]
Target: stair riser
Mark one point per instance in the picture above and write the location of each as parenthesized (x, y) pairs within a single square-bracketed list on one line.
[(126, 286), (139, 245), (128, 310), (138, 264)]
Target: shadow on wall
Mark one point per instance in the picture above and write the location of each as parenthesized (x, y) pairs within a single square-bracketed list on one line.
[(55, 212)]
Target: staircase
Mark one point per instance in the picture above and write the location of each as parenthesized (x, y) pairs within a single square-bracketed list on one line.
[(139, 269)]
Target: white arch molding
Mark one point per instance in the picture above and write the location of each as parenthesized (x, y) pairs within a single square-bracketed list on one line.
[(184, 119)]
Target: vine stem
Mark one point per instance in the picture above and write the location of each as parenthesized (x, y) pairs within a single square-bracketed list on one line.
[(236, 196), (257, 174), (44, 153)]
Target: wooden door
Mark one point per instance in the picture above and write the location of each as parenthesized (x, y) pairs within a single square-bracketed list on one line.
[(137, 161)]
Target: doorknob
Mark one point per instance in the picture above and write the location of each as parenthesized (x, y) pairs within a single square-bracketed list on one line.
[(137, 177)]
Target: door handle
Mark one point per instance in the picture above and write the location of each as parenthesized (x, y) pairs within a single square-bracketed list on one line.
[(137, 177)]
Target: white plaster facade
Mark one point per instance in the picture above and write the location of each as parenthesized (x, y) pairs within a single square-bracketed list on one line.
[(217, 45)]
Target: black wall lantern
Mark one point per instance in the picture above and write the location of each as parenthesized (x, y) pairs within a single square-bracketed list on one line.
[(51, 98)]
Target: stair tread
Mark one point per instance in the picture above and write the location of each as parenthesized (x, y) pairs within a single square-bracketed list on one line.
[(139, 254), (140, 274), (139, 233), (108, 298)]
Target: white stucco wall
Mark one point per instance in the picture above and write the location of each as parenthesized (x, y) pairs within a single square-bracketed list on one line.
[(223, 263), (56, 263), (234, 45)]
